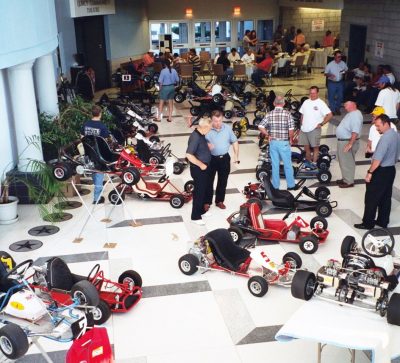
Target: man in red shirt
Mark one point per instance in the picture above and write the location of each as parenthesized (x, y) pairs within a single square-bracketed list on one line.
[(148, 59), (262, 69)]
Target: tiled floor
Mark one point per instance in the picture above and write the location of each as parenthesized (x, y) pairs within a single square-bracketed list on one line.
[(208, 317)]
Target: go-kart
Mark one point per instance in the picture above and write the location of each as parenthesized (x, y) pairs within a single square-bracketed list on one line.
[(24, 315), (365, 279), (216, 251), (250, 220), (283, 199), (55, 279), (163, 190), (191, 90)]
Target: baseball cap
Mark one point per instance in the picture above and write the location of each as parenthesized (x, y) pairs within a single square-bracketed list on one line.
[(150, 51), (384, 80), (377, 111)]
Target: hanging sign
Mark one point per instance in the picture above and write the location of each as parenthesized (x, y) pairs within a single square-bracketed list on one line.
[(379, 48), (91, 7), (317, 25)]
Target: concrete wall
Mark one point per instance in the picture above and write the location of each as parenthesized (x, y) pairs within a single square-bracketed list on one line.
[(302, 18), (381, 17), (321, 4)]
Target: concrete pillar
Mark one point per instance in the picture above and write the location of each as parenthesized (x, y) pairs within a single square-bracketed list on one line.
[(23, 104), (45, 84)]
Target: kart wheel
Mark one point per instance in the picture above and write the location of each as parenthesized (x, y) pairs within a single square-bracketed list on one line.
[(323, 164), (5, 255), (262, 172), (322, 193), (155, 159), (177, 201), (393, 309), (101, 313), (261, 97), (188, 264), (236, 234), (195, 110), (85, 293), (13, 341), (147, 78), (189, 186), (259, 114), (257, 121), (130, 176), (324, 149), (178, 168), (228, 114), (218, 99), (257, 201), (303, 99), (154, 138), (258, 286), (153, 128), (308, 244), (324, 176), (179, 97), (348, 244), (62, 172), (293, 258), (237, 130), (303, 285), (319, 223), (378, 242), (247, 97), (130, 277), (114, 198), (323, 209)]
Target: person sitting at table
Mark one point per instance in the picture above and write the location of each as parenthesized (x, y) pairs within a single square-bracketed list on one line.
[(302, 51), (234, 57), (194, 59), (248, 61), (176, 61), (299, 39), (226, 65), (168, 55), (148, 60), (262, 69), (262, 51)]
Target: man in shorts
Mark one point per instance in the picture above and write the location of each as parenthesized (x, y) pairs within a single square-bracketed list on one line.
[(314, 114)]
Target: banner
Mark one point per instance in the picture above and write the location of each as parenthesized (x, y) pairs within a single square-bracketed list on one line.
[(379, 48), (91, 7), (317, 25)]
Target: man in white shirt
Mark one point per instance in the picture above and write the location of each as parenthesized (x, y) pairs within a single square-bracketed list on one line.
[(314, 114), (233, 57), (248, 61)]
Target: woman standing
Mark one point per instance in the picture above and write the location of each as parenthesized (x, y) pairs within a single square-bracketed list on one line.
[(253, 40), (167, 80), (389, 99)]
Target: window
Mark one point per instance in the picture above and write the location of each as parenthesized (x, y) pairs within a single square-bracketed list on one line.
[(264, 30), (242, 26), (179, 33), (202, 32), (155, 30), (222, 31)]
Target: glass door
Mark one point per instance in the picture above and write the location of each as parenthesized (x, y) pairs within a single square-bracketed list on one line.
[(157, 29), (202, 36), (222, 36), (242, 26), (180, 37)]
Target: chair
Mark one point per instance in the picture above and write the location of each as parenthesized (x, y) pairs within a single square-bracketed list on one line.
[(186, 72), (204, 55), (268, 76), (157, 67), (217, 72), (298, 64), (205, 68), (239, 72)]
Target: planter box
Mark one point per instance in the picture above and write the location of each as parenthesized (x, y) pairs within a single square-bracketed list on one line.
[(68, 190)]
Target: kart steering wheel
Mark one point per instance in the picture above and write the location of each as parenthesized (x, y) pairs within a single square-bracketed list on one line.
[(378, 242), (28, 264), (93, 272)]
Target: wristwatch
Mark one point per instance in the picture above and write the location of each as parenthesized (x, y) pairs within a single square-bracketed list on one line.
[(370, 172)]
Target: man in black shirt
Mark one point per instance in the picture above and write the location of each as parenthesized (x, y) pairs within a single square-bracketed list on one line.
[(199, 157)]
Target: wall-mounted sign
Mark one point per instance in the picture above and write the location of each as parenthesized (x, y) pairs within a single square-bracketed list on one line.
[(379, 48), (317, 25), (91, 7)]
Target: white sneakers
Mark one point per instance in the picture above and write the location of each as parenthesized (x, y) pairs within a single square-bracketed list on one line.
[(207, 214), (199, 222)]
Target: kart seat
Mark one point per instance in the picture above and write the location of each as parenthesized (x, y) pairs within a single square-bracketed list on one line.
[(256, 216), (59, 276), (143, 151), (104, 151), (225, 252), (6, 283), (279, 198), (147, 187)]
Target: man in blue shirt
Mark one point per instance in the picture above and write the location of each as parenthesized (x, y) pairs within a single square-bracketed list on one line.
[(335, 71), (95, 127), (219, 139)]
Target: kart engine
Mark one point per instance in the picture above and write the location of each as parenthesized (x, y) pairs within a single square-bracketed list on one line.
[(371, 277), (332, 267)]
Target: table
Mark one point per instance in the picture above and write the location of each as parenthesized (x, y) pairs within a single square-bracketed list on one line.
[(344, 326), (319, 58)]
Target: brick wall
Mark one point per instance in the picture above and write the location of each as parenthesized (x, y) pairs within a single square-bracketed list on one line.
[(302, 18), (382, 21)]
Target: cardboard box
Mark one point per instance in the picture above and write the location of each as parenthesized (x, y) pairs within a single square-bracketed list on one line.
[(68, 190)]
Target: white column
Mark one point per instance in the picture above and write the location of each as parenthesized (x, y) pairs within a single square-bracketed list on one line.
[(45, 82), (23, 103)]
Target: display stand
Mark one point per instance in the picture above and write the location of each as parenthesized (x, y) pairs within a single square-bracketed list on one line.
[(90, 211), (328, 323)]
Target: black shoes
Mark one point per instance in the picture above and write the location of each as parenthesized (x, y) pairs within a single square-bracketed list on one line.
[(362, 226), (101, 200), (293, 188)]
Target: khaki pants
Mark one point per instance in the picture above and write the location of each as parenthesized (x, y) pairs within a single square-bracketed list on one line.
[(347, 161)]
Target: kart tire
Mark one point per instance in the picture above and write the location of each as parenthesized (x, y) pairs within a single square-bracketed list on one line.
[(62, 171), (322, 193), (257, 201), (218, 99), (324, 176), (319, 223), (114, 198), (177, 201), (194, 111), (13, 341), (261, 97), (323, 164), (294, 258), (324, 149), (323, 209), (308, 244), (178, 168), (259, 114), (237, 131), (101, 313), (147, 78), (155, 159), (228, 114), (130, 176), (303, 99), (257, 121), (303, 285), (132, 277), (188, 264), (247, 97), (258, 286), (86, 292), (154, 138), (189, 186), (393, 309), (348, 243), (5, 254), (179, 97), (236, 234), (261, 172), (153, 128)]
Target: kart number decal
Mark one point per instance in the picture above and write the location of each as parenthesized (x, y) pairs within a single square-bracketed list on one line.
[(17, 305), (7, 261), (328, 280), (98, 351)]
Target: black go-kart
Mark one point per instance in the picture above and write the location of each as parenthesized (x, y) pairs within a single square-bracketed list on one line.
[(283, 199), (188, 92)]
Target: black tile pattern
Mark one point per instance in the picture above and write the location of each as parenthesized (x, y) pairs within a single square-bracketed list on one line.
[(26, 245), (147, 221), (57, 217), (262, 334), (246, 142), (69, 204), (176, 289), (78, 257), (244, 171), (45, 230)]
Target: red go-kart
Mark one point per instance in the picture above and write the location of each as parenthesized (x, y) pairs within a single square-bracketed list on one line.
[(250, 220)]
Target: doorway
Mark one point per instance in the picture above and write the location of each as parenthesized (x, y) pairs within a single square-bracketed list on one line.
[(90, 42), (357, 40)]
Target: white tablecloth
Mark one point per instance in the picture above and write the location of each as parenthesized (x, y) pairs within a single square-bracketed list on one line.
[(319, 58), (343, 326)]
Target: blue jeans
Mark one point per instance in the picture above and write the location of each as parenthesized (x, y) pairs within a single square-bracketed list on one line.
[(280, 150), (98, 185), (335, 95), (257, 76)]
